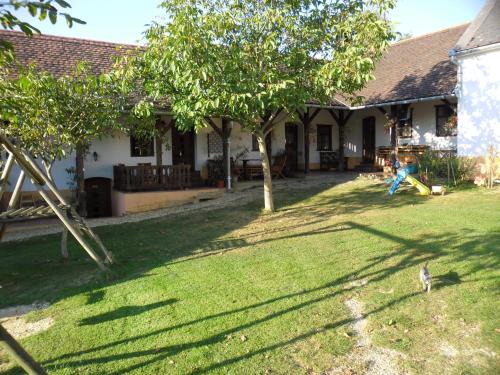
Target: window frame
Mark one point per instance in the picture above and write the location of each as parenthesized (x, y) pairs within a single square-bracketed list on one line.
[(442, 131), (150, 151), (407, 125), (330, 140)]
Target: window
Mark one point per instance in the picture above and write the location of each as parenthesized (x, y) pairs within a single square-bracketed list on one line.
[(405, 123), (141, 147), (255, 143), (324, 137), (446, 124), (215, 145)]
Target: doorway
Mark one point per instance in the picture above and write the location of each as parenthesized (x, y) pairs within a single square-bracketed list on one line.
[(369, 140), (182, 147), (98, 195), (291, 147)]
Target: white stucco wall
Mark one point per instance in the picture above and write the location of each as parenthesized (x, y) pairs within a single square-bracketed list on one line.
[(478, 102), (424, 128), (61, 177), (116, 149)]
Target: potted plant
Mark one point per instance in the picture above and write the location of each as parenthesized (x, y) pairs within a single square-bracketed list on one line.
[(216, 171)]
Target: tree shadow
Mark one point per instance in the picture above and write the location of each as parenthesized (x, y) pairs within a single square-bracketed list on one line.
[(95, 296), (449, 278), (125, 312), (185, 244), (438, 79), (414, 253)]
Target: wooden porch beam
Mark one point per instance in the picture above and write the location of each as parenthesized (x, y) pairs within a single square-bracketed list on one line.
[(335, 116), (314, 114), (301, 116), (214, 126)]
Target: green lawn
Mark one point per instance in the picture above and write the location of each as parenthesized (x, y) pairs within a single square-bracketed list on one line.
[(188, 288)]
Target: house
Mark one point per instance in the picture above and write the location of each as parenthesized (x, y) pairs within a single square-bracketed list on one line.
[(415, 87), (477, 55)]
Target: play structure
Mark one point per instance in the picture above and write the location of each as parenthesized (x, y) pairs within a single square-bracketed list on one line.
[(55, 206), (404, 175)]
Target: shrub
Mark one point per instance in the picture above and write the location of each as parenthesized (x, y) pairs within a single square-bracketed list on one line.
[(436, 166)]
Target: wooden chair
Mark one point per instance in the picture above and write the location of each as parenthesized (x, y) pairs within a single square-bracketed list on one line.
[(278, 168)]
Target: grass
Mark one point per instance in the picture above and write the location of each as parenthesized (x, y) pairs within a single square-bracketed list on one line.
[(236, 291)]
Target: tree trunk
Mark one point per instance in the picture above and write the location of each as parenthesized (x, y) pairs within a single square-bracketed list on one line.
[(80, 181), (341, 147), (266, 169)]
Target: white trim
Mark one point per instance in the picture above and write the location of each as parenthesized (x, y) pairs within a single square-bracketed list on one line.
[(473, 51)]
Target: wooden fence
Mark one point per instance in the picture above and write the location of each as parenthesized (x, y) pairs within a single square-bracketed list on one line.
[(151, 177)]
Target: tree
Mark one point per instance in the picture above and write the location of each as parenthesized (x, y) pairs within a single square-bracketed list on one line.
[(256, 61), (52, 117), (36, 8)]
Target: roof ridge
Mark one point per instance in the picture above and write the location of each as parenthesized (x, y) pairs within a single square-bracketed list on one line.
[(70, 39), (430, 33)]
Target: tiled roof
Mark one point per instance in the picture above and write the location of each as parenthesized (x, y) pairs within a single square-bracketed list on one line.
[(484, 30), (415, 68), (59, 55)]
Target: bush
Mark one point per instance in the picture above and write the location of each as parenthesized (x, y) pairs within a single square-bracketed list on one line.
[(436, 167)]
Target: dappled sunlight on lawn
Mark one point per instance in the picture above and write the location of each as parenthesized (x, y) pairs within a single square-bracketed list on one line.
[(239, 291)]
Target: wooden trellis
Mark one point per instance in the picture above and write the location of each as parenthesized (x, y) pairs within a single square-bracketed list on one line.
[(55, 205)]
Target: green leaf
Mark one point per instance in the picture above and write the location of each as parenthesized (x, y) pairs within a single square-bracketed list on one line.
[(62, 3), (53, 17), (32, 9), (77, 20)]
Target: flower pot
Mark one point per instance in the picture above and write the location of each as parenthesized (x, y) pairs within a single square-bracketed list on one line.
[(219, 184)]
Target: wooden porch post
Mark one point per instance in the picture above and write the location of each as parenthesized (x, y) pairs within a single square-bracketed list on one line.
[(394, 129), (162, 129), (341, 119), (226, 151), (225, 134), (306, 118)]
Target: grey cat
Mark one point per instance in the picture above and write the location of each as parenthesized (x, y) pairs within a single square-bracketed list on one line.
[(425, 278)]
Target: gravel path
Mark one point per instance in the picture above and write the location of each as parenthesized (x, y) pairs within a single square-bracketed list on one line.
[(365, 358), (244, 193)]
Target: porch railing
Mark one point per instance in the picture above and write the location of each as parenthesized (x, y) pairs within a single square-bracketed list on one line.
[(151, 177)]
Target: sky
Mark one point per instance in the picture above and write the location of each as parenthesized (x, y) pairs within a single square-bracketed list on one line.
[(124, 21)]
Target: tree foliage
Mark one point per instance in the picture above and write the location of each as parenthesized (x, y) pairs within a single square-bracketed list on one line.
[(250, 60), (41, 9), (52, 116)]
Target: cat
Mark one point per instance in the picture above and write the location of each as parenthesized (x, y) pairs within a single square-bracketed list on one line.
[(425, 278)]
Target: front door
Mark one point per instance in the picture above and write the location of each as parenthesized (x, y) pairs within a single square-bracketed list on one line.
[(291, 147), (182, 147), (369, 140)]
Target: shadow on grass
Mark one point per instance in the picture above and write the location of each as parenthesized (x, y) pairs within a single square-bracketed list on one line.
[(125, 312), (186, 244), (414, 253)]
